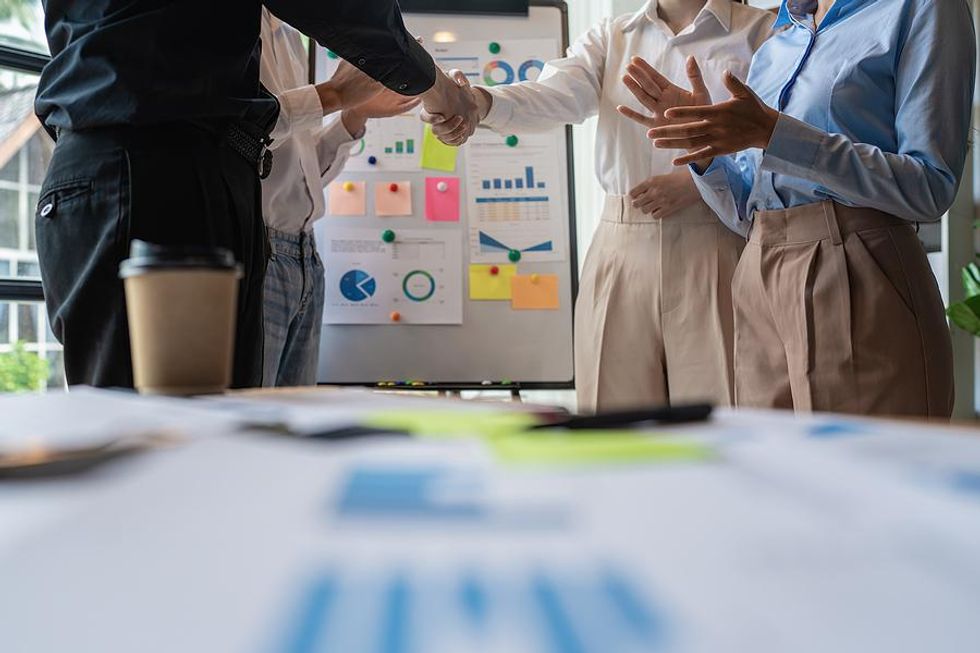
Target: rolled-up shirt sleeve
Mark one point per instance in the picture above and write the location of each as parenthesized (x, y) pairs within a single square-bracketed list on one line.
[(333, 146), (568, 90), (299, 110), (368, 33), (919, 180)]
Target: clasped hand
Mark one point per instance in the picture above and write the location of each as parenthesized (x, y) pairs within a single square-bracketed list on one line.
[(682, 119), (452, 108)]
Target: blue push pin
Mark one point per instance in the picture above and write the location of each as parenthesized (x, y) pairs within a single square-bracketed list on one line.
[(372, 160)]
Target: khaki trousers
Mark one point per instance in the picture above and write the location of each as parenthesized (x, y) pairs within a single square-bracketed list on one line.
[(654, 320), (837, 309)]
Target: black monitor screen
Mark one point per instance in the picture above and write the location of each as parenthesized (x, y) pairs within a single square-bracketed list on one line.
[(465, 6)]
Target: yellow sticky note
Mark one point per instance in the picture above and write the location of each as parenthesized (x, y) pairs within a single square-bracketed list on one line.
[(491, 282), (596, 447), (348, 198), (436, 155), (393, 198), (453, 424), (534, 292)]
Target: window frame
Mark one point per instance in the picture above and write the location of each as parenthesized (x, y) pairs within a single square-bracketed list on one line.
[(25, 61)]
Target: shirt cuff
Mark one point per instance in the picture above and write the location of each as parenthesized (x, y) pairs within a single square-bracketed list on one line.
[(794, 145), (501, 111), (713, 178), (301, 108)]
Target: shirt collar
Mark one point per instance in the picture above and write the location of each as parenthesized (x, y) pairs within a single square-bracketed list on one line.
[(801, 8), (720, 9)]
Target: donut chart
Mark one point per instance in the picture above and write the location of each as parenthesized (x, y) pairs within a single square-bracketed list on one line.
[(498, 72), (530, 70), (419, 285)]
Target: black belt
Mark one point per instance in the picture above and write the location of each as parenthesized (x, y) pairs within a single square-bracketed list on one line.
[(251, 145)]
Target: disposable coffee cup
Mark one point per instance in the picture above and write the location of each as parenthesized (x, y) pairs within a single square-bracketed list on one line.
[(182, 304)]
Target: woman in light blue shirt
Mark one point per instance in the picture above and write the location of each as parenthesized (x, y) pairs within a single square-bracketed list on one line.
[(853, 126)]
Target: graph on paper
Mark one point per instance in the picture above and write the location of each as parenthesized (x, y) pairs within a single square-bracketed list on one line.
[(392, 144), (512, 198)]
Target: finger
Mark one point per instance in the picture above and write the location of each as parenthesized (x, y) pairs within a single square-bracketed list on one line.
[(646, 207), (696, 113), (687, 129), (696, 78), (698, 155), (648, 101), (690, 143), (460, 78), (640, 189), (651, 73), (447, 127), (737, 87), (432, 118), (636, 116)]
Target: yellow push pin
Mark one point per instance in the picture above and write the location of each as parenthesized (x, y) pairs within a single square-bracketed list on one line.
[(535, 278), (349, 186)]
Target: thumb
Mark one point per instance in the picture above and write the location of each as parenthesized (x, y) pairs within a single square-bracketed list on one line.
[(737, 87), (460, 78), (696, 78)]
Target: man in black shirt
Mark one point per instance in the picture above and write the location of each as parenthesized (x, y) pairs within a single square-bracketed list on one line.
[(161, 123)]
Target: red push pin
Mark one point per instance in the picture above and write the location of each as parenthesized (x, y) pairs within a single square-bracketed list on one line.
[(494, 270), (393, 188), (396, 316)]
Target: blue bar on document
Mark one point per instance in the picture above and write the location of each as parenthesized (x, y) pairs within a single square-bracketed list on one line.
[(496, 184), (486, 185)]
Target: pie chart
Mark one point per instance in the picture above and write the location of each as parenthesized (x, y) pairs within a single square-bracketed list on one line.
[(357, 285)]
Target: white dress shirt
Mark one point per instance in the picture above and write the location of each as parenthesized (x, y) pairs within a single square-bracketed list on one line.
[(306, 154), (588, 81)]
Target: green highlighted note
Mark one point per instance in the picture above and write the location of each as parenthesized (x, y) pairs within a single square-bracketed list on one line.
[(591, 447)]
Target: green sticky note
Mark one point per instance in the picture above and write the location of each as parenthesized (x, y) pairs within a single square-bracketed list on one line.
[(436, 155), (453, 424), (591, 447)]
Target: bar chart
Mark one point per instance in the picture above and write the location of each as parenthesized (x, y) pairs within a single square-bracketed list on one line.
[(526, 181)]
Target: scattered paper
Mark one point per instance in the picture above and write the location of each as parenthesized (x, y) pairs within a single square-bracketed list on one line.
[(348, 198), (578, 447), (442, 199), (388, 202), (535, 292), (436, 155), (485, 285)]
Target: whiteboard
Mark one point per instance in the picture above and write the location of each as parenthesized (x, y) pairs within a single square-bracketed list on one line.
[(493, 342)]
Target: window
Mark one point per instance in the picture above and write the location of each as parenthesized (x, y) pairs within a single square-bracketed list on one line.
[(30, 356)]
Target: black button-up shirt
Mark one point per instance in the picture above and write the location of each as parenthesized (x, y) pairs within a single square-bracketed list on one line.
[(139, 62)]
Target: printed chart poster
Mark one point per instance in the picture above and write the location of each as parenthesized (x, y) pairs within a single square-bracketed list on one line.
[(393, 144), (514, 198), (419, 277), (519, 60)]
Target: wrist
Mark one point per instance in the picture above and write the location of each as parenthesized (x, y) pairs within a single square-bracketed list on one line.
[(329, 98), (354, 122), (484, 101)]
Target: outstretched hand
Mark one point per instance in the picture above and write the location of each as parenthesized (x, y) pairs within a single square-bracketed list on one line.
[(451, 107), (711, 130), (658, 94)]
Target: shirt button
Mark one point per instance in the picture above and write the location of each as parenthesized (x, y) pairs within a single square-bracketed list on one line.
[(361, 61), (47, 209), (402, 87)]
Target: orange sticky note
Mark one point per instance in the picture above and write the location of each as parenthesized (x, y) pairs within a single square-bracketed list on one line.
[(442, 199), (530, 292), (393, 198), (348, 198), (491, 282)]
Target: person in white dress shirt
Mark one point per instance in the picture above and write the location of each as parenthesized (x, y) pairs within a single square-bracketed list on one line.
[(307, 155), (654, 318)]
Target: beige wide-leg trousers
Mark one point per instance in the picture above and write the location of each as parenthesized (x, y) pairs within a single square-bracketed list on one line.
[(837, 309), (654, 321)]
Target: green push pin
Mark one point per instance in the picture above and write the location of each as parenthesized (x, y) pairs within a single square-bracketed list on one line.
[(332, 55), (494, 48), (512, 141), (388, 236), (514, 256)]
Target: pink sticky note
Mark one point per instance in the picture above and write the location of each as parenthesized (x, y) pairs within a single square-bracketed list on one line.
[(442, 199), (348, 198), (393, 198)]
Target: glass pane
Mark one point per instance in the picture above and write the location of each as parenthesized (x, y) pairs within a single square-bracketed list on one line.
[(27, 364), (25, 153), (22, 25)]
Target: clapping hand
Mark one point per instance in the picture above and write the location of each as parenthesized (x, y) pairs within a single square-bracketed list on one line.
[(451, 107), (658, 94), (348, 88), (385, 104), (664, 195)]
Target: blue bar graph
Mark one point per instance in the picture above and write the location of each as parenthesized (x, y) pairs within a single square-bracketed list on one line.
[(526, 181)]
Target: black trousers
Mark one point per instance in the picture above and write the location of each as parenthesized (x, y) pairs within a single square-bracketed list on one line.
[(173, 184)]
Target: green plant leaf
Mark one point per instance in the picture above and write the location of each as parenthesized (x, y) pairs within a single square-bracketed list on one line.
[(971, 280), (966, 315)]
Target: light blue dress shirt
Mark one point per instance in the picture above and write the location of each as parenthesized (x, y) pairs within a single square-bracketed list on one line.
[(875, 112)]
